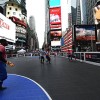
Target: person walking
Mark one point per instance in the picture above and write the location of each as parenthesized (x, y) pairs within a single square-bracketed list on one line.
[(3, 62), (69, 55), (48, 57), (42, 54)]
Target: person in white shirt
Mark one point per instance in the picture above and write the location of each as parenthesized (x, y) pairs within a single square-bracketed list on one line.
[(42, 55)]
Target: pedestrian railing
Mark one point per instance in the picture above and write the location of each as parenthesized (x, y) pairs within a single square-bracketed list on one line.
[(88, 57)]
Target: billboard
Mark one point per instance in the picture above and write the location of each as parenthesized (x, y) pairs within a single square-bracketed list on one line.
[(55, 43), (55, 18), (97, 13), (7, 29), (54, 3), (56, 33), (85, 32)]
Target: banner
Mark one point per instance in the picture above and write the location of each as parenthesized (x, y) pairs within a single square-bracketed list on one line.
[(97, 13), (55, 35), (55, 18), (85, 32), (7, 29), (54, 3)]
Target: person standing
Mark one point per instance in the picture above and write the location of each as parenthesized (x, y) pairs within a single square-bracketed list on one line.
[(48, 57), (69, 55), (3, 62), (42, 54)]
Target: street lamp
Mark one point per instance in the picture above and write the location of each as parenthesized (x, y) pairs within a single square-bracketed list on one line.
[(91, 41)]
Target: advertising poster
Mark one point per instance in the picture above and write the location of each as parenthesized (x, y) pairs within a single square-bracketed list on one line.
[(55, 18), (55, 35), (54, 3), (7, 29), (93, 57), (97, 13), (55, 43), (85, 32)]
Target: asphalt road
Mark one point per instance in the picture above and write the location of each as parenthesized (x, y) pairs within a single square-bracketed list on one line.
[(63, 80)]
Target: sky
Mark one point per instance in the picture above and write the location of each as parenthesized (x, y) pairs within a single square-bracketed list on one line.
[(73, 3), (36, 8)]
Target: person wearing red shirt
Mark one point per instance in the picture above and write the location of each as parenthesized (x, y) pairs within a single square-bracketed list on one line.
[(3, 62)]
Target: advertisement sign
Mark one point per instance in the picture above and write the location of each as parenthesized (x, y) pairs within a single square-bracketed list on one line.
[(20, 30), (54, 3), (55, 17), (56, 33), (93, 57), (55, 43), (85, 32), (7, 29), (62, 41), (97, 12)]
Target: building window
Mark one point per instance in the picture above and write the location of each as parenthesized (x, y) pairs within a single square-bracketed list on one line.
[(20, 15), (12, 4), (10, 8), (8, 12), (14, 13), (16, 9)]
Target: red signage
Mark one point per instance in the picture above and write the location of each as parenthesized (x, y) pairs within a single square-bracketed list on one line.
[(56, 33), (55, 17), (3, 24)]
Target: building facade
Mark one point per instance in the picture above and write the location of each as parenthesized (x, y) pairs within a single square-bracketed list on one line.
[(33, 39), (81, 12), (90, 6), (16, 11)]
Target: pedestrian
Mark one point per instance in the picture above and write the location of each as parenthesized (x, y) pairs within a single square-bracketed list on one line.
[(48, 57), (3, 62), (69, 55), (42, 54)]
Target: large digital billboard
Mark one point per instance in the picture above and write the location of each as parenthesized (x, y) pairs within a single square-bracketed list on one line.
[(55, 34), (7, 29), (55, 43), (97, 13), (85, 32), (55, 18), (54, 3)]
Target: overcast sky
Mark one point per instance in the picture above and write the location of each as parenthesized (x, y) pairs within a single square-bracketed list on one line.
[(36, 8)]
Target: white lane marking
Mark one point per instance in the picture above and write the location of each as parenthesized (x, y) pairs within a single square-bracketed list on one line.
[(35, 83)]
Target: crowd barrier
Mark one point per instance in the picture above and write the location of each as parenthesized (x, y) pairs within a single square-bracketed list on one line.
[(20, 55), (88, 57)]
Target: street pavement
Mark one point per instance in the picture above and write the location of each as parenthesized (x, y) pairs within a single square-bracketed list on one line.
[(62, 79)]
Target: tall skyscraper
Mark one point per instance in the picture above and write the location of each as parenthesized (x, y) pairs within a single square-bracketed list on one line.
[(47, 24), (81, 14)]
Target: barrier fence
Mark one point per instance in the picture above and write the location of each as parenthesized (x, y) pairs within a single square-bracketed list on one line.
[(88, 57)]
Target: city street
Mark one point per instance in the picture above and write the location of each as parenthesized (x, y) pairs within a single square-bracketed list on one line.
[(62, 80)]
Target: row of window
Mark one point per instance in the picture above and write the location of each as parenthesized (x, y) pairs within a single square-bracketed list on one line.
[(14, 13), (15, 9)]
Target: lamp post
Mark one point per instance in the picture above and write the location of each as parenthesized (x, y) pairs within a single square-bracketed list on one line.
[(91, 41)]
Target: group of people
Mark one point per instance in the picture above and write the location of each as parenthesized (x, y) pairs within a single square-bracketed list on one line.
[(43, 55)]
